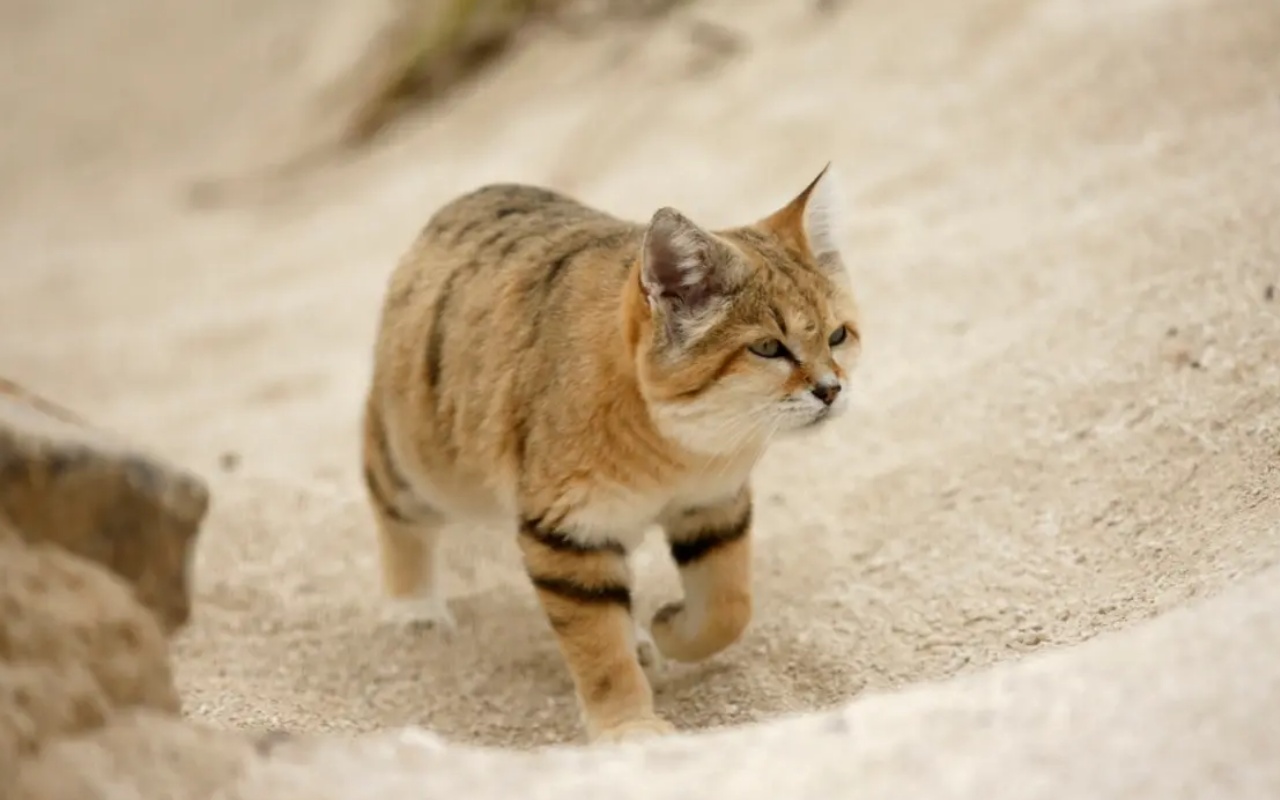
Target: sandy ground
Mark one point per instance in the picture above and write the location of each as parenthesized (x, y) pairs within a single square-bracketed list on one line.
[(1064, 239)]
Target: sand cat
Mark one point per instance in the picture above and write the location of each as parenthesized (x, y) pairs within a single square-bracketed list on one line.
[(581, 378)]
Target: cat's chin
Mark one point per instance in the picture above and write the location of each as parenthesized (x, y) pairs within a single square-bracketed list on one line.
[(809, 428), (812, 424)]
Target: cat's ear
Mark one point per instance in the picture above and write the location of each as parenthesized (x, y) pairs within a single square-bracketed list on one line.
[(814, 218), (685, 271)]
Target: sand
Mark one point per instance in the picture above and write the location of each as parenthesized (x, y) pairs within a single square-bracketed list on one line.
[(1063, 236)]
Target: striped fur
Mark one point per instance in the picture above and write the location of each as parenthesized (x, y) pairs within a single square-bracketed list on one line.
[(543, 363)]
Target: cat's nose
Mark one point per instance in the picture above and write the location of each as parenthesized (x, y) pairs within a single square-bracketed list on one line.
[(826, 391)]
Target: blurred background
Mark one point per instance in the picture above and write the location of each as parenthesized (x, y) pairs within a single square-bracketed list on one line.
[(1062, 231)]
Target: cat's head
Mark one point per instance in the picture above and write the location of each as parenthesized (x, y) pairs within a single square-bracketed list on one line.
[(743, 333)]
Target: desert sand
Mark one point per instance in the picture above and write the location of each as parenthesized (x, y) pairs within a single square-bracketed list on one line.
[(1063, 236)]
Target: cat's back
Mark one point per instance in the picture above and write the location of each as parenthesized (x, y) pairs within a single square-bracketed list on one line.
[(486, 242), (502, 296), (492, 249), (503, 223), (470, 219)]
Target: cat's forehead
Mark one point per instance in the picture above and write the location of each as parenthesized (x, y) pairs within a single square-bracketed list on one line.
[(802, 314), (796, 293)]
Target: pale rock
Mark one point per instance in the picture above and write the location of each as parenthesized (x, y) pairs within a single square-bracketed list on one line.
[(68, 484), (75, 644)]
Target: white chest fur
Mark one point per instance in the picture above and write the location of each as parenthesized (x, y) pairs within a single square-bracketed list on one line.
[(622, 514)]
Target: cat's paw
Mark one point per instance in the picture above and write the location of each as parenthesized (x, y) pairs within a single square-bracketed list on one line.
[(420, 612), (635, 730), (647, 653)]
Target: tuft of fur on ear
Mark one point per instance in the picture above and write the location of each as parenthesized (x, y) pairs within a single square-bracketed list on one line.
[(815, 217), (824, 214), (685, 272)]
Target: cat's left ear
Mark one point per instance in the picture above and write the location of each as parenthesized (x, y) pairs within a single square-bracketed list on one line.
[(814, 219)]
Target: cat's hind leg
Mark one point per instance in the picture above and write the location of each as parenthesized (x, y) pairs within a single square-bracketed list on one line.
[(408, 537)]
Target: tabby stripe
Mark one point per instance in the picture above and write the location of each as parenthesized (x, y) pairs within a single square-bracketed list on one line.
[(606, 594), (556, 269), (491, 240), (464, 229), (562, 542), (520, 443), (382, 455), (778, 319), (701, 544), (537, 294), (382, 451), (380, 497), (509, 248), (435, 338), (720, 371)]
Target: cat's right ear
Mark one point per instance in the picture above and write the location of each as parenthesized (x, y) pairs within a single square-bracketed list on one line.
[(685, 271)]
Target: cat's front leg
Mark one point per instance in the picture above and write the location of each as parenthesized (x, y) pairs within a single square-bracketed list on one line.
[(711, 545), (584, 586)]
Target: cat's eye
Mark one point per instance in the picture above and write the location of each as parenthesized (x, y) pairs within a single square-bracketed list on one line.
[(838, 336), (769, 348)]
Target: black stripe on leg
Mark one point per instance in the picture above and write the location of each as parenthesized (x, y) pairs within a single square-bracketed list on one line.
[(382, 452), (562, 542), (606, 594), (380, 497), (382, 455), (697, 546)]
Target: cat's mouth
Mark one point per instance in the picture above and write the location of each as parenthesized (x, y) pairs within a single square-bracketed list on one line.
[(819, 418), (824, 414), (800, 417), (812, 420)]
